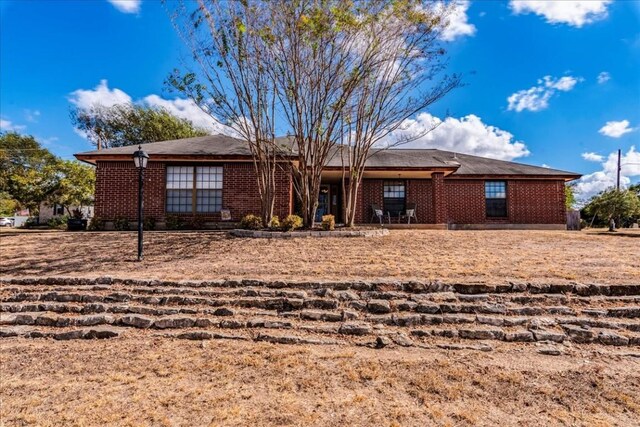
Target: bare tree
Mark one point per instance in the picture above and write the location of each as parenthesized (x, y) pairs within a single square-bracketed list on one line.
[(400, 78), (230, 47), (316, 70)]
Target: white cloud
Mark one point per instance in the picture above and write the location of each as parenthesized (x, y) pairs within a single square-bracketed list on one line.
[(575, 13), (615, 129), (537, 97), (458, 22), (465, 135), (126, 6), (592, 157), (31, 115), (102, 95), (544, 165), (593, 183), (603, 77), (9, 126), (187, 109)]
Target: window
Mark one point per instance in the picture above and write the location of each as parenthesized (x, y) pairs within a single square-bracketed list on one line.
[(495, 193), (58, 209), (394, 197), (186, 194)]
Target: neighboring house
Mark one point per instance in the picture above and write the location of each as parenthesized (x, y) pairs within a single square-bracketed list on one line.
[(203, 176), (48, 212)]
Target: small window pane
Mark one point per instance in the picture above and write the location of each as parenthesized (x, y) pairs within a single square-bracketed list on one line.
[(179, 177), (394, 189), (179, 201), (208, 200), (209, 177), (495, 190)]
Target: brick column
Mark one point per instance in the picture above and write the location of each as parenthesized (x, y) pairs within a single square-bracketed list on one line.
[(437, 193)]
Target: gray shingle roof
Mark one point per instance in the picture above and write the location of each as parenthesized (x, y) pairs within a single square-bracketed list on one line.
[(209, 145), (223, 146)]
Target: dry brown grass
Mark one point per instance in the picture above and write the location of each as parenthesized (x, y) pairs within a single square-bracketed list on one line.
[(490, 256), (163, 382)]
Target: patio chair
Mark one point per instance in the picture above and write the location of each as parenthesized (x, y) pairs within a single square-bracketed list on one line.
[(379, 213), (409, 213)]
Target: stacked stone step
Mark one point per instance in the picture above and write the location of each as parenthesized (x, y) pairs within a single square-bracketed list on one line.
[(410, 313)]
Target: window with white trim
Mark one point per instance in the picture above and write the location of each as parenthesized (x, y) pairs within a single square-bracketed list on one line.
[(194, 189)]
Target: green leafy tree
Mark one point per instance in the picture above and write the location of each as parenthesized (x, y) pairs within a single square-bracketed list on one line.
[(8, 205), (623, 206), (76, 185), (29, 173), (128, 124), (569, 196)]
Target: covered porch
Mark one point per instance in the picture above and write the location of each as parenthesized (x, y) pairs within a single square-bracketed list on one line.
[(398, 198)]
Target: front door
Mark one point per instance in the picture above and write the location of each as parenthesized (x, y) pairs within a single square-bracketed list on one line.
[(324, 200)]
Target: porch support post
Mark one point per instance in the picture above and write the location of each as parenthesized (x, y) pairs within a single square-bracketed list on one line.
[(437, 191)]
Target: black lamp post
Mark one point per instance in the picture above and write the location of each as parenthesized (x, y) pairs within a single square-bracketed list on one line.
[(140, 159)]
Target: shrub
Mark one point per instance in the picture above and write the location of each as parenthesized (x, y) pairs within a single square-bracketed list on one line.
[(195, 223), (328, 222), (274, 223), (291, 222), (59, 222), (149, 223), (96, 224), (30, 222), (174, 222), (251, 222), (121, 223), (77, 214)]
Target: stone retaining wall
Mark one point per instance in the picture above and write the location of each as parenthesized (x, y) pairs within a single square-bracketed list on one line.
[(308, 233)]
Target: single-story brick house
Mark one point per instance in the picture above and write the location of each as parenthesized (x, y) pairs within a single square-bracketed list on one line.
[(204, 176)]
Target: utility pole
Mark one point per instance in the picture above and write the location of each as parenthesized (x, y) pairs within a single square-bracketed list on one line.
[(618, 177)]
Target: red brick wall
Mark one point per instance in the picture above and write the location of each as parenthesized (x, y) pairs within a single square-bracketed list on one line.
[(371, 191), (462, 200), (528, 202), (419, 191), (116, 193), (117, 186), (240, 192), (536, 202)]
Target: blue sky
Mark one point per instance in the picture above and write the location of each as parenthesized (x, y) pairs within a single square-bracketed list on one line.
[(547, 83)]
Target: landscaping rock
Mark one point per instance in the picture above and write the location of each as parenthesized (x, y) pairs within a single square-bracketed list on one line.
[(541, 335), (174, 323), (428, 308), (609, 338), (379, 306), (519, 336), (100, 334), (579, 335), (481, 334), (136, 321), (69, 335), (355, 329), (232, 324), (382, 342), (223, 311), (493, 321), (402, 339), (550, 351), (195, 335)]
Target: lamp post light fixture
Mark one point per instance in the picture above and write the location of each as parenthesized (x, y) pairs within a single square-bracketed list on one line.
[(140, 159)]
